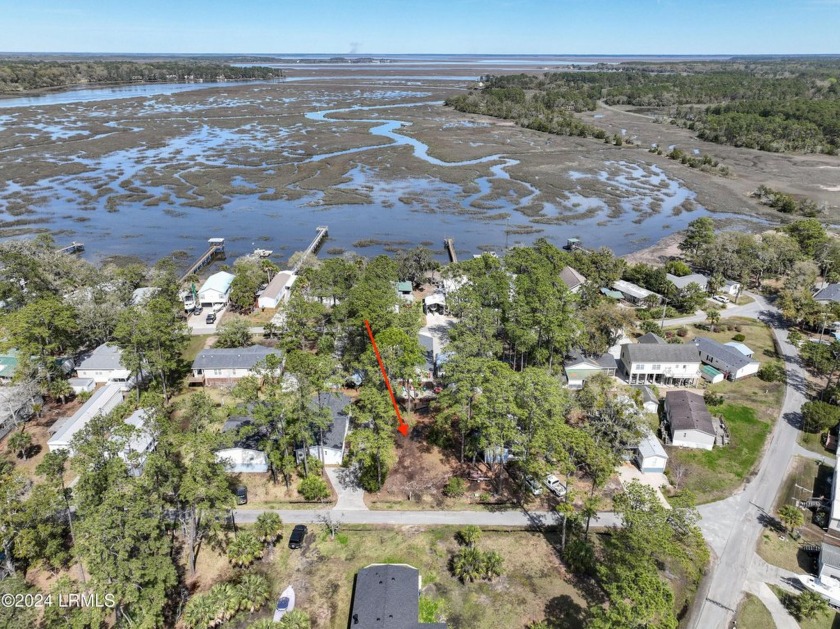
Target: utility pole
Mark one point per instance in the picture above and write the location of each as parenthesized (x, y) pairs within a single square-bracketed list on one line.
[(664, 309)]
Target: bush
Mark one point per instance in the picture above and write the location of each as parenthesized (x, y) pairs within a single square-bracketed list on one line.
[(712, 399), (682, 332), (469, 535), (455, 487), (580, 557), (651, 326), (740, 338), (313, 488), (794, 337), (772, 372)]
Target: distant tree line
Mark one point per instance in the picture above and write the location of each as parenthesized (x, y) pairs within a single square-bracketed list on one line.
[(770, 105), (21, 75)]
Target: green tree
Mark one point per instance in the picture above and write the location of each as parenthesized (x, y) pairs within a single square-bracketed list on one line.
[(199, 612), (372, 441), (235, 333), (791, 517), (413, 264), (295, 619), (819, 416), (469, 535), (268, 527), (699, 234), (20, 443), (244, 549), (809, 605), (493, 565), (809, 233), (468, 564), (254, 592), (44, 328), (314, 488)]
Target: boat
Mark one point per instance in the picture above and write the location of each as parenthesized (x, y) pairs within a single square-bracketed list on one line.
[(285, 603), (262, 253)]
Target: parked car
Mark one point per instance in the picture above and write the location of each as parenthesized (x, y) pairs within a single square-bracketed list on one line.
[(211, 318), (198, 309), (721, 299), (555, 486), (296, 538), (526, 481), (241, 495)]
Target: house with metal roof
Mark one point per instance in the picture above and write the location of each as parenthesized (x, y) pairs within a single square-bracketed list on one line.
[(579, 367), (726, 359), (216, 289), (387, 596), (827, 581), (224, 366), (8, 365), (329, 446), (688, 421), (669, 364), (650, 455), (710, 374), (102, 402), (104, 364), (279, 290), (573, 280), (830, 293), (682, 282), (633, 293)]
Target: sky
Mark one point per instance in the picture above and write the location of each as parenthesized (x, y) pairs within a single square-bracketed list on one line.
[(422, 26)]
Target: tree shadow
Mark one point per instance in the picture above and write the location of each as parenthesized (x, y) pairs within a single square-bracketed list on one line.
[(562, 612)]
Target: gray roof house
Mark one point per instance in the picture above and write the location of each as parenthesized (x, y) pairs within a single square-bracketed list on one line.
[(578, 367), (217, 366), (633, 293), (652, 339), (689, 422), (387, 596), (572, 279), (660, 363), (726, 359), (682, 282), (828, 294), (330, 451), (103, 364)]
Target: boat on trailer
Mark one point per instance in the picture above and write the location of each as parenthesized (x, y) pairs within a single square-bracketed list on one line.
[(285, 603)]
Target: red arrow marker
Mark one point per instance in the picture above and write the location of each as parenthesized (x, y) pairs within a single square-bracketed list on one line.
[(403, 427)]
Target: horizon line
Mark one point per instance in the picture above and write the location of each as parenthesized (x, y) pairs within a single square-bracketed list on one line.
[(439, 54)]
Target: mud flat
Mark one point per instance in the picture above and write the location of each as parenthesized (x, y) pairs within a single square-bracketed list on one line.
[(378, 159)]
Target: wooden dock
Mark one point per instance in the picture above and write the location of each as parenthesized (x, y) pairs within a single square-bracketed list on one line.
[(215, 250), (449, 244), (73, 247), (320, 235)]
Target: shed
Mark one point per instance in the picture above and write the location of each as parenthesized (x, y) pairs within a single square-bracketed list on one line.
[(612, 294), (573, 280), (710, 374), (279, 290), (650, 455), (436, 302), (404, 290), (216, 289), (649, 400), (243, 460)]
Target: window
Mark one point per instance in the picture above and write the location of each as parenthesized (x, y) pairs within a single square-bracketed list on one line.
[(640, 367), (217, 372), (656, 367)]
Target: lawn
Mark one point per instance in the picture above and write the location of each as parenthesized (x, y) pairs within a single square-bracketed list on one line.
[(715, 474), (828, 620), (533, 587), (752, 614)]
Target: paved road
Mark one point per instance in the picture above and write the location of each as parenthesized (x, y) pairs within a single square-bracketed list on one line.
[(751, 310), (527, 519), (732, 526)]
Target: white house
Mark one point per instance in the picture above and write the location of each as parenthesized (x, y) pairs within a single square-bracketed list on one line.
[(136, 447), (219, 367), (100, 403), (329, 448), (573, 280), (243, 460), (103, 365), (216, 290), (650, 454), (579, 367), (827, 581), (730, 288), (436, 302), (670, 364), (690, 424), (682, 282), (728, 360), (82, 385), (279, 290), (633, 293)]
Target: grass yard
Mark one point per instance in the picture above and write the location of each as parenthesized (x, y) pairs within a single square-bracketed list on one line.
[(715, 474), (196, 344), (752, 614), (533, 587), (813, 442), (828, 620)]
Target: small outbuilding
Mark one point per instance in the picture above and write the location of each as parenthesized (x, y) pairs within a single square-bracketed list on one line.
[(573, 280), (650, 454), (81, 385), (436, 302), (710, 374), (243, 460)]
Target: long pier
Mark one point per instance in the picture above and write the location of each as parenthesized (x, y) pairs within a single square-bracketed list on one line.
[(216, 249), (449, 244), (73, 247), (320, 235)]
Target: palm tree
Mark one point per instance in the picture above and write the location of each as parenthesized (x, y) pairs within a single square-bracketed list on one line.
[(254, 592), (20, 442), (244, 550), (468, 564), (224, 598), (199, 612), (493, 565), (59, 388), (791, 517), (713, 316), (269, 527), (295, 619), (469, 535)]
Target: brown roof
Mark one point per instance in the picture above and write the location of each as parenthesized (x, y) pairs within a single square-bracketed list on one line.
[(687, 411), (571, 278), (277, 285)]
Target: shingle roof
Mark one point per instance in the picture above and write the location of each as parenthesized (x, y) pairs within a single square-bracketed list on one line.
[(571, 277), (668, 353), (233, 358), (387, 596), (830, 555), (721, 352), (687, 411), (652, 339), (650, 445), (338, 405), (104, 358), (681, 282), (829, 293)]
